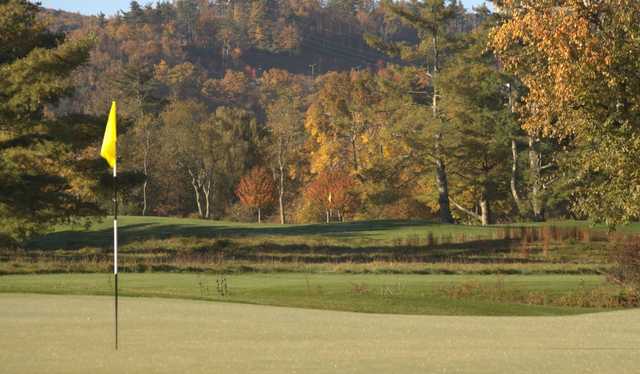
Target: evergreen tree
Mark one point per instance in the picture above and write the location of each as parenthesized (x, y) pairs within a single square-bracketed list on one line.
[(44, 159), (431, 21), (476, 104)]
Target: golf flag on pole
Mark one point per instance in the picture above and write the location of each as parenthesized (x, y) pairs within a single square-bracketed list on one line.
[(108, 152)]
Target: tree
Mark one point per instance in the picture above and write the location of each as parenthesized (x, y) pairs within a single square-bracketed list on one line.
[(430, 19), (333, 191), (184, 136), (48, 166), (476, 103), (283, 100), (183, 80), (260, 23), (338, 123), (211, 149), (186, 19), (135, 13), (256, 190), (138, 88), (580, 63), (288, 38)]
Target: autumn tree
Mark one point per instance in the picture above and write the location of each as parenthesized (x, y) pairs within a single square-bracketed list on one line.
[(334, 191), (236, 88), (138, 89), (338, 122), (211, 149), (283, 97), (260, 23), (392, 146), (183, 141), (579, 61), (186, 19), (256, 190), (183, 81)]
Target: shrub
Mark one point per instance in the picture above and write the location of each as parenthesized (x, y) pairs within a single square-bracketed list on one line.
[(626, 269), (239, 212)]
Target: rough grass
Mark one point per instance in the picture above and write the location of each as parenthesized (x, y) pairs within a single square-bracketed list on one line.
[(74, 334), (410, 247), (373, 293)]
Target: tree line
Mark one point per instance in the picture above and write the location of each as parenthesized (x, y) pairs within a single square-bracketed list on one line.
[(310, 111)]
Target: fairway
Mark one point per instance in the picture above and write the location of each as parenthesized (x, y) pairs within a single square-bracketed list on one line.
[(358, 233), (372, 293), (74, 334)]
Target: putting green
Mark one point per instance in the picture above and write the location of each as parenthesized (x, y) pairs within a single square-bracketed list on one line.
[(74, 334)]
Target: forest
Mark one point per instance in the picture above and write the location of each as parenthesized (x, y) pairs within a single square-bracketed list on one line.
[(298, 111)]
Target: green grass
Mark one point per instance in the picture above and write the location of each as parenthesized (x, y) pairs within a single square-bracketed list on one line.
[(159, 228), (74, 334), (384, 232), (408, 247), (398, 294)]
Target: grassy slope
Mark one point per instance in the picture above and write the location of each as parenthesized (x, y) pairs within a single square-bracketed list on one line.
[(400, 294), (74, 334), (147, 228), (411, 247), (384, 232)]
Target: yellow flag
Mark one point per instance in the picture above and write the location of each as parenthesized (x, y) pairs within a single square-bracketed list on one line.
[(108, 151)]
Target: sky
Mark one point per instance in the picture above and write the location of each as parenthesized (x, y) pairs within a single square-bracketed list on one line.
[(110, 7)]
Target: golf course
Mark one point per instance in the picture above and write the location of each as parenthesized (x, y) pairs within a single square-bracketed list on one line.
[(378, 296), (74, 334), (320, 186)]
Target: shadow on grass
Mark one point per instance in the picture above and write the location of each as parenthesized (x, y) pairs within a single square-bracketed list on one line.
[(76, 239)]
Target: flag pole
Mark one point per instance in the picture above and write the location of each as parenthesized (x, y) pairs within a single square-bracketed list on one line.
[(115, 246), (108, 151)]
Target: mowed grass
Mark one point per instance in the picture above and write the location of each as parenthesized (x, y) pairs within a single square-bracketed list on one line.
[(382, 232), (138, 229), (379, 293), (74, 334)]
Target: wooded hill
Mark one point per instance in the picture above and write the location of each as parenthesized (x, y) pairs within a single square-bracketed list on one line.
[(309, 110)]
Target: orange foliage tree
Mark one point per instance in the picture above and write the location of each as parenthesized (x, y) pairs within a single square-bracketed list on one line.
[(333, 191), (579, 61), (256, 190)]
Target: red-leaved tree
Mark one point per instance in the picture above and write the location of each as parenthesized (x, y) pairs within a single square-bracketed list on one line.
[(334, 191), (256, 190)]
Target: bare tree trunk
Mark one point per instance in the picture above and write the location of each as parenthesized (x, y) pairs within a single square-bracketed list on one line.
[(197, 192), (281, 191), (259, 215), (355, 153), (196, 189), (281, 198), (146, 171), (328, 216), (206, 188), (485, 211), (144, 196), (443, 193), (514, 174), (536, 181), (441, 172), (467, 211), (436, 56)]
